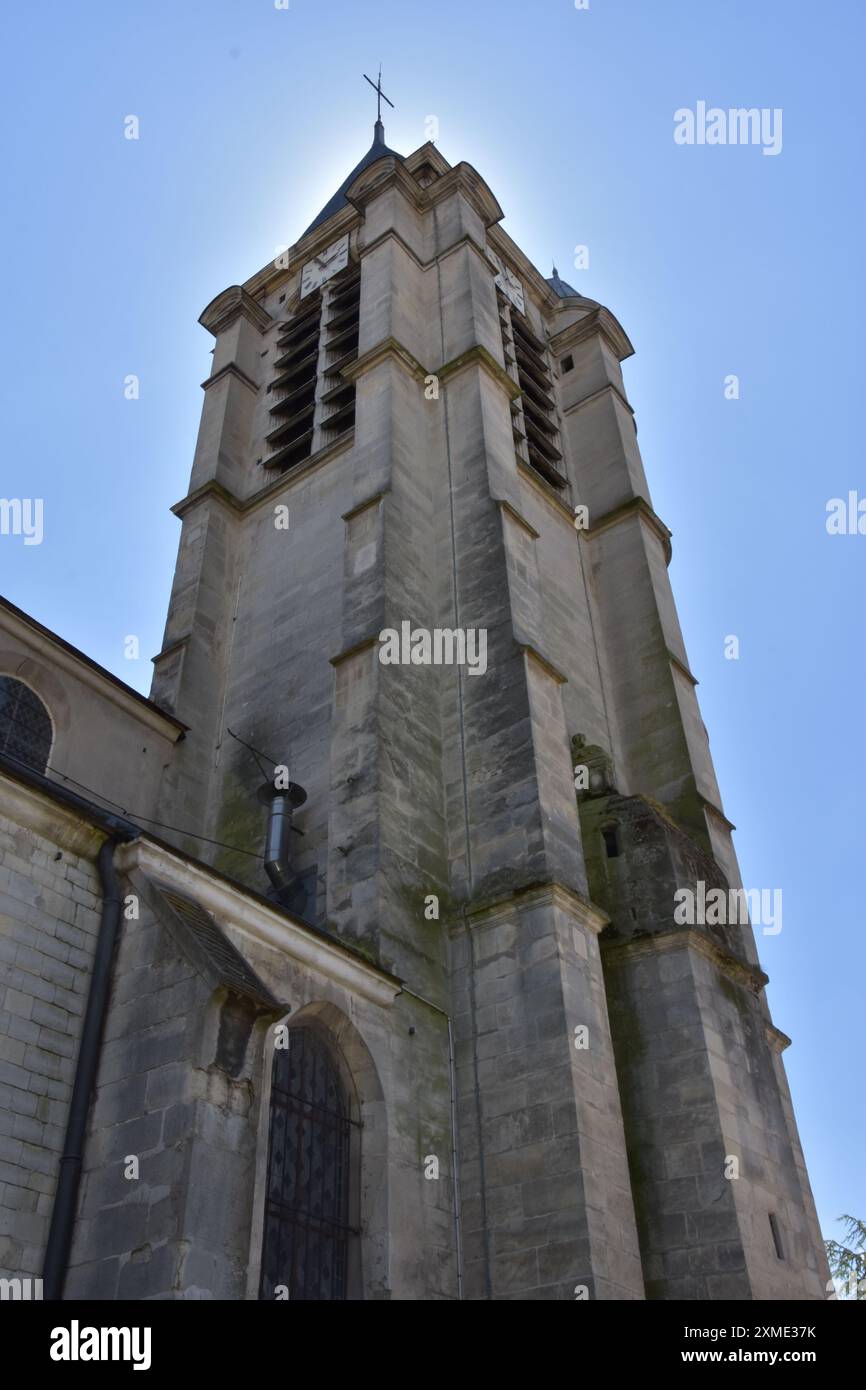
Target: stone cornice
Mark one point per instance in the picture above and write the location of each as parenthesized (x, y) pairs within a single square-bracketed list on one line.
[(61, 656), (270, 276), (777, 1040), (537, 895), (393, 235), (510, 251), (230, 369), (545, 489), (547, 666), (240, 506), (65, 826), (346, 220), (597, 321), (594, 395), (465, 179), (681, 667), (427, 154), (364, 506), (751, 977), (177, 645), (388, 347), (387, 172), (510, 510), (635, 506), (232, 304), (478, 356), (253, 917), (716, 811), (211, 490), (355, 648)]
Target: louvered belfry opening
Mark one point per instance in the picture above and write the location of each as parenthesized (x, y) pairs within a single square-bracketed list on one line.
[(294, 387), (534, 416), (306, 1234), (342, 327)]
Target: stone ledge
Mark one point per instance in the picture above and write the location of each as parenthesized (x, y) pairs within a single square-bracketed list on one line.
[(534, 895), (241, 506), (356, 647), (234, 303), (635, 506), (478, 356), (751, 977), (251, 916), (547, 666), (230, 369), (387, 348), (363, 506), (594, 395), (511, 510), (545, 489), (598, 321)]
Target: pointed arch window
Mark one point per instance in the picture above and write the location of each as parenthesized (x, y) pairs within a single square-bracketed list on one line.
[(307, 1231), (25, 725)]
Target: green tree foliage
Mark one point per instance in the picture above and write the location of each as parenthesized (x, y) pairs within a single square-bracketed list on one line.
[(848, 1261)]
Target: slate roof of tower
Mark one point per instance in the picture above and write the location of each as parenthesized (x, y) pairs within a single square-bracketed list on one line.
[(561, 287), (378, 150)]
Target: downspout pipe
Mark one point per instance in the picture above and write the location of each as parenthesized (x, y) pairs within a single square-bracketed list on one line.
[(71, 1162), (281, 803)]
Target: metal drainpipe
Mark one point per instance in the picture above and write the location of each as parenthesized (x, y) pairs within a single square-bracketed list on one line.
[(455, 1156), (281, 803), (71, 1162)]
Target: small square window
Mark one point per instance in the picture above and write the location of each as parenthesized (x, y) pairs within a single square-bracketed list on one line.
[(567, 364)]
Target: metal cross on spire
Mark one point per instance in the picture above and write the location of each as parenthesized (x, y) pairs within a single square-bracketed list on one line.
[(377, 88)]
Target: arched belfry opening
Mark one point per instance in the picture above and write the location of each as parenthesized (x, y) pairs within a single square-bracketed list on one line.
[(310, 1216)]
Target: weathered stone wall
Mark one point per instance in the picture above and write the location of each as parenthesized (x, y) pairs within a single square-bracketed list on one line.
[(547, 1205), (193, 1111), (108, 743), (50, 901)]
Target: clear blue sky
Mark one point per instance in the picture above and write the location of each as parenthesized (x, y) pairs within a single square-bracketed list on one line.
[(716, 260)]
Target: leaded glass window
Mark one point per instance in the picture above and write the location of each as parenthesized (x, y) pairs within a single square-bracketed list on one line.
[(25, 726)]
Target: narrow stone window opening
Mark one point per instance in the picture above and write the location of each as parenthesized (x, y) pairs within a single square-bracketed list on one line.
[(610, 834), (567, 364), (777, 1237)]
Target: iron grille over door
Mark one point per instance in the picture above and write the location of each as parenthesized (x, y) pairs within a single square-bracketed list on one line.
[(306, 1238)]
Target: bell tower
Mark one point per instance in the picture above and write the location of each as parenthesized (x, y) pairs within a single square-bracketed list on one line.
[(409, 430)]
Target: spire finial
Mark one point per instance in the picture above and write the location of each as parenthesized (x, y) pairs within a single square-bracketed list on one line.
[(377, 88)]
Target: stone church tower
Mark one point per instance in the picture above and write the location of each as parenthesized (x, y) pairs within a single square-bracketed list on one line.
[(431, 776)]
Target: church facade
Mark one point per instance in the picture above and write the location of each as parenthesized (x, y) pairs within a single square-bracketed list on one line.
[(348, 966)]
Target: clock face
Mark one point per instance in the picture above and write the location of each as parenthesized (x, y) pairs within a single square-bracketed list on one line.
[(509, 283), (324, 265)]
